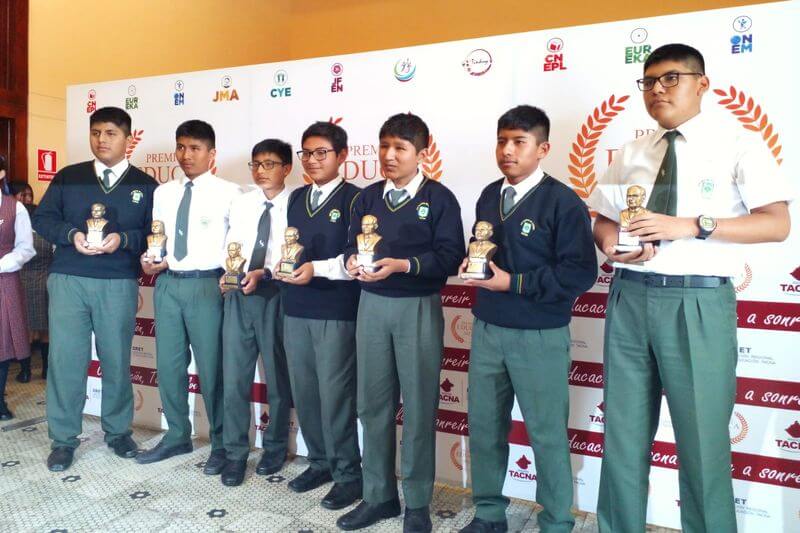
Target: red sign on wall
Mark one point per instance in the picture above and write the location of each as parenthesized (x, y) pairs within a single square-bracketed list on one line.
[(46, 164)]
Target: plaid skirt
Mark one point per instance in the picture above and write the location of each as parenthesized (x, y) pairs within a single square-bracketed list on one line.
[(14, 341)]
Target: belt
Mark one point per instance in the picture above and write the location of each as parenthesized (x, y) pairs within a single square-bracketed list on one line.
[(660, 280), (215, 273)]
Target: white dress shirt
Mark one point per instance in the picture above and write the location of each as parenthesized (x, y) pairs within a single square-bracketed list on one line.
[(209, 214), (724, 171), (523, 187), (332, 268), (116, 171), (246, 211), (411, 189), (23, 240)]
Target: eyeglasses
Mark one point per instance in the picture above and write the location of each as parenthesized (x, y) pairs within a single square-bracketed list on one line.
[(319, 154), (670, 79), (266, 164)]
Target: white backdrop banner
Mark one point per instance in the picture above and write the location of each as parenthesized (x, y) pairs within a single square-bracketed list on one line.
[(583, 77)]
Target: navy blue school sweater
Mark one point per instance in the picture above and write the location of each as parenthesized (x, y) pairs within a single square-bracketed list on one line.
[(65, 208), (425, 229), (323, 234), (546, 245)]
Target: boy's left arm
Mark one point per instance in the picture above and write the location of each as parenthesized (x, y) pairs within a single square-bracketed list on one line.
[(447, 250)]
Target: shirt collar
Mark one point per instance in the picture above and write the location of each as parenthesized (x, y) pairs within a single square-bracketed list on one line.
[(691, 130), (522, 188), (118, 169), (280, 201), (328, 188), (411, 189), (199, 180)]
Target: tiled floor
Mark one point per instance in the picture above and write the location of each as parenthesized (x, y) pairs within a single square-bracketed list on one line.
[(102, 492)]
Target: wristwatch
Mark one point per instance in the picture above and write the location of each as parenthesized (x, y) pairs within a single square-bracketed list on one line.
[(707, 226)]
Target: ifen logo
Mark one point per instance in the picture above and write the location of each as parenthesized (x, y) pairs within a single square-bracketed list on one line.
[(227, 93)]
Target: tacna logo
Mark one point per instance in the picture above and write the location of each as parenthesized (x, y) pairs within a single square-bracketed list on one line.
[(598, 417), (793, 287), (446, 392), (790, 443), (521, 473)]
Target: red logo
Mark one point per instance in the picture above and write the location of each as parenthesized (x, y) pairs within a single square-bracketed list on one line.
[(522, 474), (461, 329), (264, 418), (794, 430), (796, 273), (446, 385), (602, 406), (523, 462), (794, 287), (136, 137), (554, 60), (607, 267), (792, 444), (46, 164), (598, 418)]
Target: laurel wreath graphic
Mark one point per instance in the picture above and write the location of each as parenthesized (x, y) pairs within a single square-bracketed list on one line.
[(432, 165), (137, 136), (581, 169), (748, 277), (751, 116), (743, 432)]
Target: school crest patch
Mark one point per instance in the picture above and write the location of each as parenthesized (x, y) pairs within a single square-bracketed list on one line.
[(423, 210), (136, 196), (706, 188), (526, 227), (334, 215)]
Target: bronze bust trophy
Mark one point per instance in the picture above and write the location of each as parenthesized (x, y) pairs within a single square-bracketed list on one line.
[(480, 252), (156, 243), (96, 226), (290, 252), (234, 267), (635, 199), (367, 242)]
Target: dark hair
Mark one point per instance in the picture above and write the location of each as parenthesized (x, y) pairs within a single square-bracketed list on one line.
[(334, 133), (114, 115), (684, 53), (4, 188), (197, 129), (17, 187), (526, 118), (408, 127), (274, 146)]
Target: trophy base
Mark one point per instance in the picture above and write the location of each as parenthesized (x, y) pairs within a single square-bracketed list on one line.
[(367, 262), (474, 275), (232, 281), (623, 248), (627, 242), (286, 270), (154, 255), (94, 238)]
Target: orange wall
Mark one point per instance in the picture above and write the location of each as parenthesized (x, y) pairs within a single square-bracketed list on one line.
[(81, 41)]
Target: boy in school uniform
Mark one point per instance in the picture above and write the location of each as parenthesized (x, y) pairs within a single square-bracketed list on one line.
[(671, 316), (321, 301), (400, 325), (188, 304), (253, 316), (93, 288), (520, 339)]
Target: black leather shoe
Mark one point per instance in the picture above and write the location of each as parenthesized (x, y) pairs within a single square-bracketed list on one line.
[(233, 473), (124, 447), (215, 463), (270, 463), (479, 525), (417, 520), (24, 375), (310, 479), (60, 458), (342, 495), (5, 412), (367, 514), (161, 451)]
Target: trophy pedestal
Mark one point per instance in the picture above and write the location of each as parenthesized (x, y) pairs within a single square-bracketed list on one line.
[(476, 269), (367, 262), (94, 238), (627, 242), (232, 281), (155, 255), (286, 269)]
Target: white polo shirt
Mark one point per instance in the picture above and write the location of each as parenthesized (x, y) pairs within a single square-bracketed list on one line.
[(724, 171)]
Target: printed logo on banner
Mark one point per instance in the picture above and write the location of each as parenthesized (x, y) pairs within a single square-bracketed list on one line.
[(793, 287), (789, 440), (743, 278), (751, 116), (747, 355), (738, 428), (337, 69), (639, 51), (461, 328), (91, 103), (598, 417), (281, 88), (179, 97), (446, 393), (136, 138), (432, 164), (606, 274), (478, 62), (138, 400), (404, 69), (554, 60), (227, 93), (132, 101), (521, 472), (455, 455), (742, 41)]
